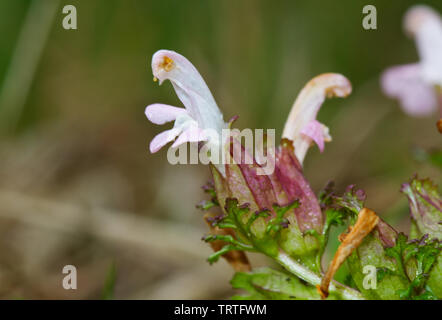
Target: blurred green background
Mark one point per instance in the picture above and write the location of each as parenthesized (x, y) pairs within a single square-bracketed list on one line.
[(77, 183)]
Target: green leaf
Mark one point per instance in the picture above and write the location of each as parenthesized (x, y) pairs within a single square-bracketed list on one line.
[(338, 210), (434, 281), (424, 254), (349, 204), (236, 245), (266, 283), (208, 204), (279, 222), (403, 270), (214, 257), (255, 229), (397, 252), (371, 252), (264, 231), (425, 206)]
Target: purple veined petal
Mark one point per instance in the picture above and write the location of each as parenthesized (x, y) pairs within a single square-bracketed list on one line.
[(259, 185), (191, 134), (316, 131), (307, 105), (406, 84), (190, 88), (161, 139), (162, 113), (425, 25), (289, 174)]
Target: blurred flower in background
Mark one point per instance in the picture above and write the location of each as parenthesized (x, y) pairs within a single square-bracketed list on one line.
[(418, 86)]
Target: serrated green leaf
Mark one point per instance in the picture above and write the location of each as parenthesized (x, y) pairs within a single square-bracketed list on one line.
[(371, 252), (266, 283), (425, 206), (402, 270)]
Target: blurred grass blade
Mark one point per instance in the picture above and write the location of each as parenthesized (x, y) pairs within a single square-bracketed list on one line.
[(109, 286), (24, 61)]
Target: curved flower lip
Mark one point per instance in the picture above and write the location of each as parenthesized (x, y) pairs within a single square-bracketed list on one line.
[(162, 139), (185, 128), (317, 132), (301, 126), (162, 113)]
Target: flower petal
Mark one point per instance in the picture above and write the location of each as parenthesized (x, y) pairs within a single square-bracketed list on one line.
[(190, 88), (317, 132), (425, 25), (161, 139), (161, 113), (191, 134), (407, 85), (307, 105)]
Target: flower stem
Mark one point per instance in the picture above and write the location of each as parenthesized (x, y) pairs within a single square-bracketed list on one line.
[(305, 274)]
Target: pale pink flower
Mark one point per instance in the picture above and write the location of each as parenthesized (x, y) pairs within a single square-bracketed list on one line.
[(301, 126), (200, 112), (416, 85)]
